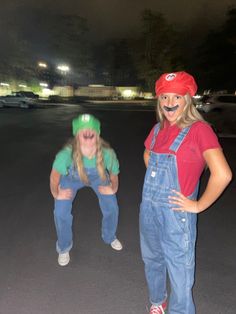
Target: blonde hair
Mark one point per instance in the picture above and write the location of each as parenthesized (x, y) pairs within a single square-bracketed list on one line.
[(189, 115), (78, 158)]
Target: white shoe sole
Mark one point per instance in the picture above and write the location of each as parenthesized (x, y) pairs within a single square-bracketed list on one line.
[(116, 246), (63, 261)]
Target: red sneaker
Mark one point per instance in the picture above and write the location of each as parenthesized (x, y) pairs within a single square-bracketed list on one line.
[(160, 309)]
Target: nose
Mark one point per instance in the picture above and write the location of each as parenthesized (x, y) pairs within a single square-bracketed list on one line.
[(171, 101)]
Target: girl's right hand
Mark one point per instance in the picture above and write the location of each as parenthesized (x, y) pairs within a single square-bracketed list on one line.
[(64, 194), (105, 189)]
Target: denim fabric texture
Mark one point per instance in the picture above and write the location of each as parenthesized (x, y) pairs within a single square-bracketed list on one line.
[(62, 209), (167, 237)]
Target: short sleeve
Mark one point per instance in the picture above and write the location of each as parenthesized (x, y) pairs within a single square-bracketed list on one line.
[(205, 136), (62, 161), (148, 140), (111, 162)]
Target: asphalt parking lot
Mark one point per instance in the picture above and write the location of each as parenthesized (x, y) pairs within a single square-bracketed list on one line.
[(98, 279)]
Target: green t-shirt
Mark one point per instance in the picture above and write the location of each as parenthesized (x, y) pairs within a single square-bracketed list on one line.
[(64, 160)]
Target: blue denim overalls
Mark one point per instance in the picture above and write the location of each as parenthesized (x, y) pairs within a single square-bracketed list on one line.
[(62, 210), (167, 237)]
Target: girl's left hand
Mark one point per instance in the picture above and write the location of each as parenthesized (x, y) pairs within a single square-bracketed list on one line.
[(184, 204), (105, 189)]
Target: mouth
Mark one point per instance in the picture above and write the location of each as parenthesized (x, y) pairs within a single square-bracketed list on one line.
[(168, 109), (88, 135)]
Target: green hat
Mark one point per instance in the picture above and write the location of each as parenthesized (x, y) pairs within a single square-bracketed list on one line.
[(85, 121)]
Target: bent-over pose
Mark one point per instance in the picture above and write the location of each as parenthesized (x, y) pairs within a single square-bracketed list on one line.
[(85, 161)]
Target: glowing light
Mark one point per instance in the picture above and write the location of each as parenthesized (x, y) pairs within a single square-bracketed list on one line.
[(4, 84), (47, 92), (197, 96), (127, 93), (63, 68), (96, 85), (22, 85), (148, 95), (42, 65), (43, 84)]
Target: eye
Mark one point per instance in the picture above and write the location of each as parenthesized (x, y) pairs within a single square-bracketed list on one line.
[(178, 96), (163, 97)]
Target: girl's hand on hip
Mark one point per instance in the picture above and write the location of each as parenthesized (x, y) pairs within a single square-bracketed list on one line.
[(64, 194), (184, 203), (105, 189)]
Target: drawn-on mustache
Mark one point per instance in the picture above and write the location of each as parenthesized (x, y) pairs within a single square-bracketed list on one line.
[(171, 108)]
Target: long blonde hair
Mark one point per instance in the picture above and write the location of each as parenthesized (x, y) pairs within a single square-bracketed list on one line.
[(78, 158), (189, 115)]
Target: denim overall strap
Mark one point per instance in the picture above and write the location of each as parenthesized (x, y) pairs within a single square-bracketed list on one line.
[(156, 130), (179, 139)]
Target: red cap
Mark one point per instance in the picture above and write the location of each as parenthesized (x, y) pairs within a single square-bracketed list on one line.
[(178, 82)]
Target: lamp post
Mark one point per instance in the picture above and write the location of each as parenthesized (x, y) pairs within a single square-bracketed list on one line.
[(44, 72)]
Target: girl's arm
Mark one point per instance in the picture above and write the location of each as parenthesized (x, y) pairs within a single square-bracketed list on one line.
[(54, 182), (220, 176), (146, 155), (114, 182), (57, 192), (112, 187)]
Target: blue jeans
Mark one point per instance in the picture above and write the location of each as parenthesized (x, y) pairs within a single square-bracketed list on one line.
[(62, 210)]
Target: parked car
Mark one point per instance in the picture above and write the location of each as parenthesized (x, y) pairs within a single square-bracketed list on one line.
[(17, 99), (216, 102), (29, 94)]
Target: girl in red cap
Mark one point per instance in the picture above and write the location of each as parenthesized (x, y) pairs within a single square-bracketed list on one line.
[(87, 160), (177, 150)]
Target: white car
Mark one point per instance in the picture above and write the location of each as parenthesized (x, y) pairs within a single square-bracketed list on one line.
[(17, 99), (216, 102)]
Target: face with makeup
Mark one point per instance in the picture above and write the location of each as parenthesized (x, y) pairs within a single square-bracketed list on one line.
[(172, 105)]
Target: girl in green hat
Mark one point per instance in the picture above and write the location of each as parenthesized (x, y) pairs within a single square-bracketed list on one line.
[(86, 160)]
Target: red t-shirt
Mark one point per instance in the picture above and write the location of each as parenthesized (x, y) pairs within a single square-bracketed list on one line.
[(190, 160)]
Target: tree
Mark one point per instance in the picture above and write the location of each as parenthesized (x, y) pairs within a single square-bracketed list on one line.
[(156, 49), (16, 61), (68, 38), (40, 34), (216, 58), (114, 63)]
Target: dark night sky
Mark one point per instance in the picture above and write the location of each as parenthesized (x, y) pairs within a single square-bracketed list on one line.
[(116, 17)]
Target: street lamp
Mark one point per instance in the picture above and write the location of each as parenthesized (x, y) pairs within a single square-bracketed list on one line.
[(42, 84), (22, 85), (4, 84), (42, 65), (63, 68)]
